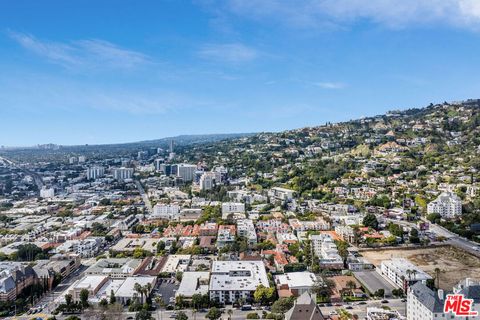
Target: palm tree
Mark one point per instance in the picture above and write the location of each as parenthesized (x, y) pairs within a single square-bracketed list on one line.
[(351, 285), (414, 274), (138, 288)]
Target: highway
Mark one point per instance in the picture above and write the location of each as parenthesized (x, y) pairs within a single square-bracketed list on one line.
[(38, 180)]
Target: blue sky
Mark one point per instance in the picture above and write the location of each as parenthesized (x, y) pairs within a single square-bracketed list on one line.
[(75, 72)]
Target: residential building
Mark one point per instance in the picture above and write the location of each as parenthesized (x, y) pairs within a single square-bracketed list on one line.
[(402, 273), (326, 250), (47, 193), (448, 205), (122, 173), (246, 229), (231, 281), (226, 235), (117, 268), (294, 283), (195, 282), (281, 194), (95, 172), (166, 211), (233, 209)]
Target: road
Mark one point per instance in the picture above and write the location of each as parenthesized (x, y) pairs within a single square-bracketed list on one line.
[(36, 177), (146, 200), (164, 314), (51, 299), (453, 239), (361, 309)]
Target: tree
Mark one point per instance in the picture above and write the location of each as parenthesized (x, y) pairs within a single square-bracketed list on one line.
[(379, 293), (351, 284), (68, 300), (282, 305), (28, 252), (264, 295), (113, 299), (84, 298), (103, 303), (181, 316), (342, 247), (370, 220), (253, 315), (213, 314), (414, 238), (143, 315)]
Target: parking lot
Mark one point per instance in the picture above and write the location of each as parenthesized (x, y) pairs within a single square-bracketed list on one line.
[(373, 281), (166, 289)]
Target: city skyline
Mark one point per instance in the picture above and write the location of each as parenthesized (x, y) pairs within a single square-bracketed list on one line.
[(73, 75)]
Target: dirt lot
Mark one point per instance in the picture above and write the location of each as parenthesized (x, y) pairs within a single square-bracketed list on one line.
[(455, 264)]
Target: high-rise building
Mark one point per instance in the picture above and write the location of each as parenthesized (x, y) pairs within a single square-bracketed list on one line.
[(95, 172), (158, 163), (186, 171), (207, 180), (122, 173)]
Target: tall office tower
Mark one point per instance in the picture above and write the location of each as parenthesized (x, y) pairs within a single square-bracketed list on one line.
[(95, 172), (158, 164)]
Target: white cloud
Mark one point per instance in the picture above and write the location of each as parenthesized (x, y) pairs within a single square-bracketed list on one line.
[(330, 85), (92, 53), (390, 13), (231, 53)]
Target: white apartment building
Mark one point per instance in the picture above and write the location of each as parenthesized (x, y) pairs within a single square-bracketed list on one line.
[(207, 181), (46, 193), (122, 173), (281, 193), (425, 304), (245, 228), (95, 172), (225, 235), (234, 280), (232, 208), (402, 273), (166, 211), (186, 171), (448, 205), (86, 248), (326, 250)]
